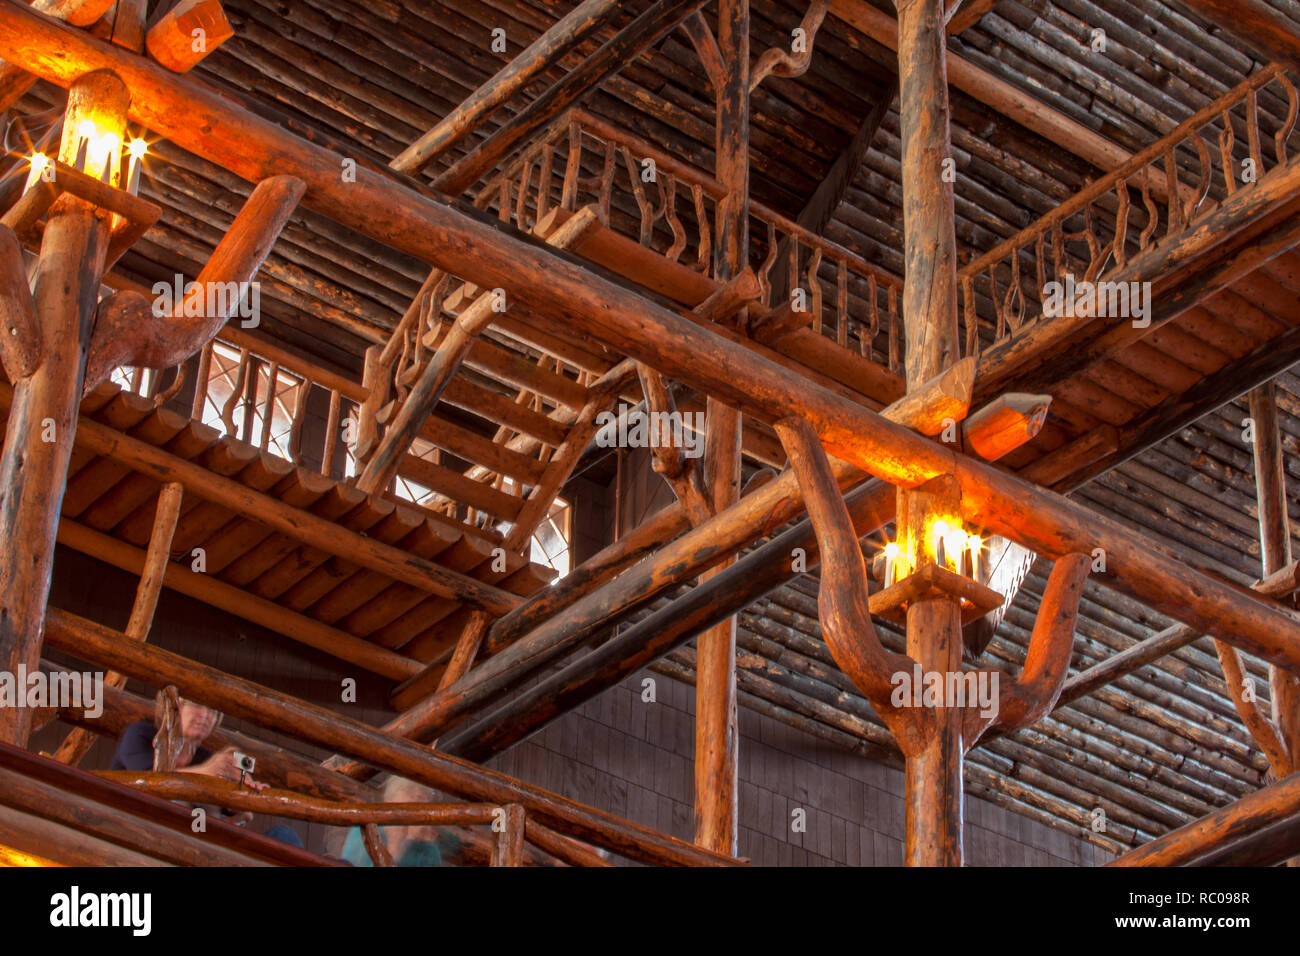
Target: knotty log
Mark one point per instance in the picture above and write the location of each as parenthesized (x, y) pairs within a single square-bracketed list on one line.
[(20, 331), (187, 33), (540, 55), (660, 19), (128, 329), (284, 714), (1264, 808), (508, 849), (43, 418)]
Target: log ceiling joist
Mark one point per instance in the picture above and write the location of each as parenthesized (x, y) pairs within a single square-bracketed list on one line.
[(1262, 27)]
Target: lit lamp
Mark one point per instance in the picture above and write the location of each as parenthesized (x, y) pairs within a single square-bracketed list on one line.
[(946, 563)]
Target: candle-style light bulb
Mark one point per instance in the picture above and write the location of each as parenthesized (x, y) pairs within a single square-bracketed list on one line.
[(39, 163), (892, 551), (975, 544), (85, 133), (940, 532), (137, 151), (954, 546)]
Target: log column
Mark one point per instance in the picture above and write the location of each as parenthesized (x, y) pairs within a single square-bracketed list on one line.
[(1275, 554), (934, 774), (716, 801), (43, 420)]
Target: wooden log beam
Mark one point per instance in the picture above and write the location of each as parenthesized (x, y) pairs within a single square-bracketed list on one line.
[(660, 19), (187, 33), (20, 330), (540, 55), (966, 14), (307, 722), (991, 90), (1255, 23), (129, 332), (1268, 806), (14, 80), (43, 419)]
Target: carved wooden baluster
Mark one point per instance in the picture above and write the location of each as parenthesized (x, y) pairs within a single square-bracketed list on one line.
[(895, 358), (1121, 223), (521, 201), (873, 317), (1288, 125), (1040, 261), (1252, 131), (769, 261), (815, 289), (1173, 203), (1197, 196), (503, 201), (1000, 330), (842, 303), (1227, 143), (572, 169), (301, 392), (268, 406), (546, 172), (668, 193), (639, 194), (201, 382), (971, 317), (704, 259), (606, 184), (1153, 211), (236, 393), (172, 390)]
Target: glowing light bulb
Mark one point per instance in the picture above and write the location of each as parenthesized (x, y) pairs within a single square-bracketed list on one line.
[(40, 163), (892, 550), (87, 129), (954, 543), (976, 545), (138, 148)]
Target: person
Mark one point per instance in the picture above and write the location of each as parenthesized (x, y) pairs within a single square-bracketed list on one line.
[(407, 845), (135, 752)]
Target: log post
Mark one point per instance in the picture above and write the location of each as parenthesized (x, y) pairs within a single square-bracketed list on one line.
[(43, 420), (934, 775), (1275, 554), (716, 788)]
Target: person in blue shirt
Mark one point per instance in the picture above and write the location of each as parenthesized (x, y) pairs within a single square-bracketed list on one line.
[(407, 845)]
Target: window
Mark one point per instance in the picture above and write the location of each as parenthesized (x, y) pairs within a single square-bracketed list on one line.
[(550, 544), (246, 420)]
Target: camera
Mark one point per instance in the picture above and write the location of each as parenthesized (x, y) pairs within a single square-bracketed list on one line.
[(245, 763)]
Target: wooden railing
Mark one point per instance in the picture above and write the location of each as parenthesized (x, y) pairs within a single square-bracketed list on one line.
[(1162, 191), (671, 207)]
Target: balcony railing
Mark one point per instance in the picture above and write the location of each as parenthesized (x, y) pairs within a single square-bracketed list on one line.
[(668, 206), (1161, 192)]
